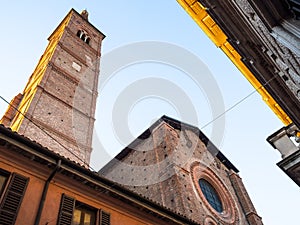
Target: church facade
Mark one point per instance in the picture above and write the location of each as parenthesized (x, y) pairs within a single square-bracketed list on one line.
[(171, 174), (176, 165)]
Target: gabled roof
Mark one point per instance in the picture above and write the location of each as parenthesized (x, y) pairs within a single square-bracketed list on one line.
[(176, 124)]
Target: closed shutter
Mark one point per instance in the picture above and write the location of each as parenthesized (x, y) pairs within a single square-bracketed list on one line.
[(66, 210), (104, 218), (12, 199)]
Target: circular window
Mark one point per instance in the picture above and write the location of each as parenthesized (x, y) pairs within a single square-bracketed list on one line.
[(214, 195), (211, 195)]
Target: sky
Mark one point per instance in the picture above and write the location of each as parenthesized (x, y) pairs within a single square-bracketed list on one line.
[(26, 26)]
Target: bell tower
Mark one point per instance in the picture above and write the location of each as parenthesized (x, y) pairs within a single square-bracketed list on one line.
[(57, 106)]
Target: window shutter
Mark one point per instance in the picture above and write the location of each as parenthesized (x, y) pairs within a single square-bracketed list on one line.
[(12, 199), (104, 218), (66, 210)]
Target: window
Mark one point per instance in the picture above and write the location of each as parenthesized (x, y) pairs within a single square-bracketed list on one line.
[(83, 215), (214, 195), (3, 179), (83, 36), (12, 190), (87, 40), (73, 212), (211, 195)]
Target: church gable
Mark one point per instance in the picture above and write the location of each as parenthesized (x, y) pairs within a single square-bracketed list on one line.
[(167, 164)]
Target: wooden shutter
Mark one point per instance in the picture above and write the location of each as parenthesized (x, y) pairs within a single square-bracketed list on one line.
[(12, 199), (66, 210), (104, 218)]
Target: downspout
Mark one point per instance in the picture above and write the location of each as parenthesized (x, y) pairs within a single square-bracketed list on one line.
[(44, 194)]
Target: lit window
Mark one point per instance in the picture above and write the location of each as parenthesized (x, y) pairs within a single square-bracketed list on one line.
[(211, 195), (73, 212), (83, 215)]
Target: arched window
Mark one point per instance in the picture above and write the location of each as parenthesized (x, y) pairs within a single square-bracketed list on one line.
[(211, 195), (83, 36)]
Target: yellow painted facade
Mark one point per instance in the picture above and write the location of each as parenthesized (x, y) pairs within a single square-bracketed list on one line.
[(214, 32), (37, 75)]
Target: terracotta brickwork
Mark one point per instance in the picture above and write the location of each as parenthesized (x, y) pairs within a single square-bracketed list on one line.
[(245, 201), (11, 111), (166, 164), (59, 100)]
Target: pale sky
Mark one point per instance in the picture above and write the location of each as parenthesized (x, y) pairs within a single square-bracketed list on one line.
[(26, 26)]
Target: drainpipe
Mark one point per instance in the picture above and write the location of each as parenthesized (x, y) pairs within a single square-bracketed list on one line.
[(44, 194)]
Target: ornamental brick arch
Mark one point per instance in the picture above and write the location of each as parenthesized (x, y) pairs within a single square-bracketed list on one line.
[(229, 215)]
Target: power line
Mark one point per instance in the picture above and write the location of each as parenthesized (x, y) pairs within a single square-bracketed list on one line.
[(229, 109), (238, 102), (210, 122), (91, 168), (49, 135)]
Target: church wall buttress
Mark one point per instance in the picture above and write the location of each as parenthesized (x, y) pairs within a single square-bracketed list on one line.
[(245, 200)]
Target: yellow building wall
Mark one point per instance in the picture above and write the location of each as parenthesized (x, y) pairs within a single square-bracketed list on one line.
[(217, 36)]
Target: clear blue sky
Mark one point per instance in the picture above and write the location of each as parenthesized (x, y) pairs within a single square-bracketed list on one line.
[(27, 24)]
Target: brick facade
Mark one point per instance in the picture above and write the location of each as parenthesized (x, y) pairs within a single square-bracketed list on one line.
[(59, 99), (165, 164)]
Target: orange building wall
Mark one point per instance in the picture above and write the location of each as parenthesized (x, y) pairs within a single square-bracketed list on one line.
[(121, 213)]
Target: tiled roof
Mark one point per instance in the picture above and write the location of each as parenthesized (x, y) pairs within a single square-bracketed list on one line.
[(28, 148)]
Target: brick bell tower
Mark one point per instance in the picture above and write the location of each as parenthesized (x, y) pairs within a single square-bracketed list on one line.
[(57, 106)]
